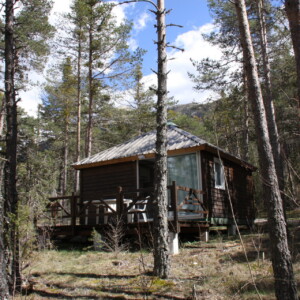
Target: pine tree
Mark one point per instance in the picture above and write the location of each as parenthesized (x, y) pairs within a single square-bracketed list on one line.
[(59, 110), (160, 226), (24, 43), (281, 257), (106, 50)]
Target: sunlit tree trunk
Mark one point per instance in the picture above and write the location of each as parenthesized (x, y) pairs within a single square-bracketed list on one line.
[(78, 131), (4, 290), (65, 158), (10, 170), (268, 97), (161, 255), (245, 136), (88, 146), (285, 286)]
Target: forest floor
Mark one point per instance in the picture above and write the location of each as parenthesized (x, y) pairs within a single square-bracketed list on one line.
[(214, 270)]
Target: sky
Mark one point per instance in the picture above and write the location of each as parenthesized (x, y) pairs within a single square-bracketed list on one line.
[(193, 15)]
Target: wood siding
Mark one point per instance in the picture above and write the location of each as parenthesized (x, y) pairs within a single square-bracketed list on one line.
[(104, 180), (240, 187)]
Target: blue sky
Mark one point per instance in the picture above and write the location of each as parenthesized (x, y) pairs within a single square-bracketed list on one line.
[(193, 15), (190, 14)]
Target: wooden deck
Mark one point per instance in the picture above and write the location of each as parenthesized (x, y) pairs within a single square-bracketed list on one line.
[(69, 216)]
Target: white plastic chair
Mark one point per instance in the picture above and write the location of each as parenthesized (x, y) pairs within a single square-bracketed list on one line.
[(139, 210)]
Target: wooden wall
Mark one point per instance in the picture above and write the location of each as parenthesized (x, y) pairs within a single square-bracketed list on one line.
[(240, 186), (104, 180)]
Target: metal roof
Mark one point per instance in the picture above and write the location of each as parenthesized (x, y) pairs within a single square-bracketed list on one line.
[(144, 145)]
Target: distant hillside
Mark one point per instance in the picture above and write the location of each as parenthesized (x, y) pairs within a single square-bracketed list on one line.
[(193, 109)]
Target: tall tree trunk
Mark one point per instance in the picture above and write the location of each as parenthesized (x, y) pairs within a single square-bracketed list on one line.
[(161, 256), (292, 8), (245, 136), (2, 116), (88, 146), (78, 133), (10, 171), (285, 286), (65, 159), (268, 97), (4, 289)]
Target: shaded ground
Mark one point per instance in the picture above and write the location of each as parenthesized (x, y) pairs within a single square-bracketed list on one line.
[(214, 270)]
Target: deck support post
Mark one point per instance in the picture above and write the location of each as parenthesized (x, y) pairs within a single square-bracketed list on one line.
[(173, 243), (204, 234), (231, 229)]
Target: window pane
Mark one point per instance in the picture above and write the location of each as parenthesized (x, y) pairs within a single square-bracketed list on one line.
[(219, 174), (183, 170)]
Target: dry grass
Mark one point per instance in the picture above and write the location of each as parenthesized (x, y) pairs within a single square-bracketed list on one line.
[(214, 270)]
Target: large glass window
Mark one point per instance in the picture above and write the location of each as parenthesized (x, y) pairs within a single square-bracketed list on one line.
[(183, 170)]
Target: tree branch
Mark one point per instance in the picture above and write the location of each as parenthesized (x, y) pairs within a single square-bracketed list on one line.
[(135, 1)]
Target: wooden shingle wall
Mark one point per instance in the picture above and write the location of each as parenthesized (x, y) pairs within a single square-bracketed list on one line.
[(239, 185), (105, 179)]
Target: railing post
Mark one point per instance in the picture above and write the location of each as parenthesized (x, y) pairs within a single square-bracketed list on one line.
[(174, 204), (120, 202), (73, 213)]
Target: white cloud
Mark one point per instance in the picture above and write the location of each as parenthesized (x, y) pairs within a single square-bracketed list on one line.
[(142, 22), (195, 47), (30, 100), (119, 13), (180, 85)]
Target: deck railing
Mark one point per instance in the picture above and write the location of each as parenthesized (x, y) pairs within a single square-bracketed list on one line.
[(132, 206)]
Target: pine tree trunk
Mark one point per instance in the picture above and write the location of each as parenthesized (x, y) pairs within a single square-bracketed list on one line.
[(65, 159), (88, 146), (2, 117), (268, 97), (285, 286), (292, 8), (10, 171), (4, 289), (245, 136), (78, 133), (161, 256)]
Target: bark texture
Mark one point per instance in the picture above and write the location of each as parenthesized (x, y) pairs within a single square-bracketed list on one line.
[(88, 146), (268, 97), (4, 291), (78, 133), (10, 170), (285, 286), (161, 255), (292, 8)]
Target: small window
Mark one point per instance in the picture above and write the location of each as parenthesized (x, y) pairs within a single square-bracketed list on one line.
[(219, 174)]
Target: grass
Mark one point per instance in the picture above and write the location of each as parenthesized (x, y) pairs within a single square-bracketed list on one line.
[(214, 270)]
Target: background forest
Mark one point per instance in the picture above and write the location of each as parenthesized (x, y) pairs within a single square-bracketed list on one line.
[(81, 113)]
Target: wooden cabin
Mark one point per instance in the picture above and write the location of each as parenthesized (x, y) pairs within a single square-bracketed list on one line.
[(202, 179)]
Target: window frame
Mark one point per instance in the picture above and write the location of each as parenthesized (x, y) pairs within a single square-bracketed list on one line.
[(220, 172)]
